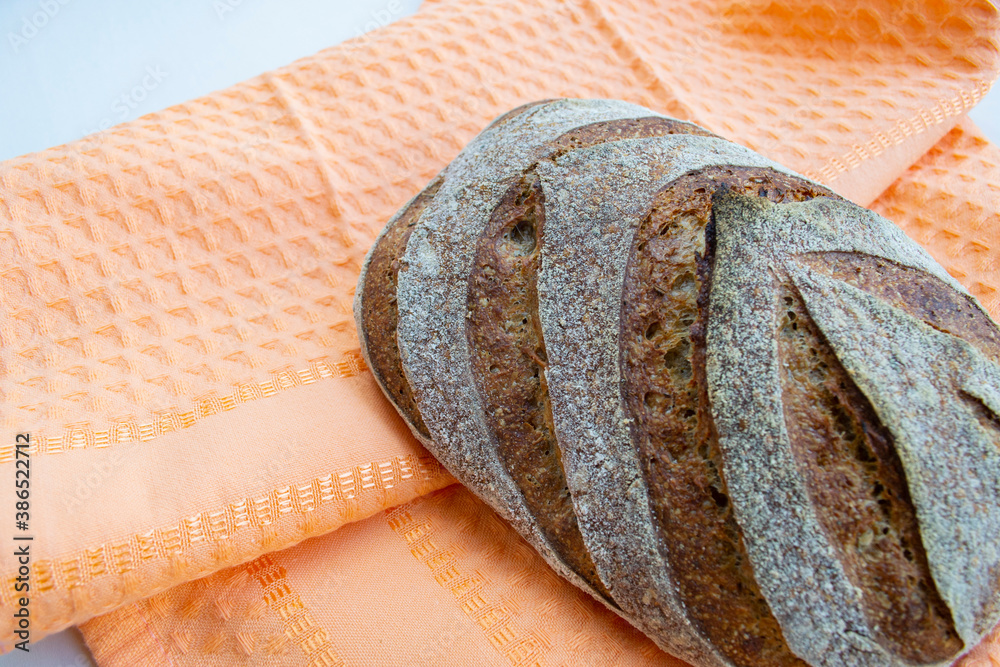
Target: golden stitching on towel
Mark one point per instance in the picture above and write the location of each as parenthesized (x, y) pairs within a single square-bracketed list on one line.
[(192, 608), (181, 640), (216, 527), (202, 615), (493, 618), (300, 626), (157, 605), (223, 607), (246, 642), (82, 436), (902, 130), (276, 645)]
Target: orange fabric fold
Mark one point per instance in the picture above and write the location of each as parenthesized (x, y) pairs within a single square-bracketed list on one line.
[(348, 576), (178, 340), (437, 581)]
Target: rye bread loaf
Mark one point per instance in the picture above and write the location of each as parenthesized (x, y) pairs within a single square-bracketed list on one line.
[(535, 500), (729, 404)]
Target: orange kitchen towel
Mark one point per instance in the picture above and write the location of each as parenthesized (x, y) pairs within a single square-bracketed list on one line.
[(177, 337), (402, 588)]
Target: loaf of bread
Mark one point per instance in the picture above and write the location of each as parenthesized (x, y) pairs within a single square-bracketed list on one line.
[(749, 416)]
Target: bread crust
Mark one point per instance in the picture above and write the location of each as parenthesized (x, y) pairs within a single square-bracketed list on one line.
[(857, 485), (800, 574), (508, 364), (432, 293), (664, 313), (959, 529), (376, 313), (587, 246), (508, 351)]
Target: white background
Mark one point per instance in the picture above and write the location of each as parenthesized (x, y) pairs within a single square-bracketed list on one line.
[(72, 67)]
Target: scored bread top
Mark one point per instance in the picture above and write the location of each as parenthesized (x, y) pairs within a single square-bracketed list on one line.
[(821, 610), (905, 368), (710, 392), (587, 245), (508, 352), (377, 315), (375, 304), (432, 299), (664, 308)]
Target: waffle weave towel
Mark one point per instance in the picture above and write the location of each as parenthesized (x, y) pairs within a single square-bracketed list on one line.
[(177, 338)]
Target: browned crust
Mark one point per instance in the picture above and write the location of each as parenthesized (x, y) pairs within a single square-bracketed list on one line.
[(380, 314), (857, 484), (517, 111), (619, 130), (917, 292), (520, 416), (507, 350), (918, 626), (508, 363), (989, 421), (664, 320)]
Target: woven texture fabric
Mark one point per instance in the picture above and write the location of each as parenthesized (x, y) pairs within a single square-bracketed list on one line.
[(949, 202), (484, 597), (177, 334)]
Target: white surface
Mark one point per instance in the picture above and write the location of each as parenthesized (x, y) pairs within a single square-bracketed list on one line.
[(65, 649), (68, 67), (986, 114)]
